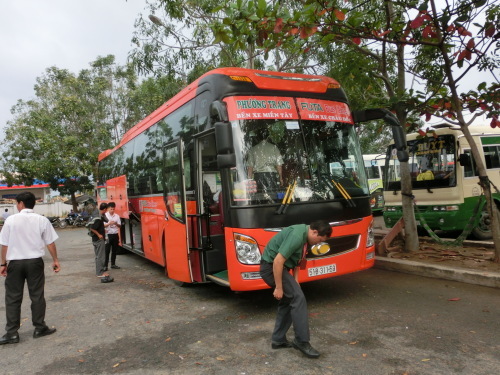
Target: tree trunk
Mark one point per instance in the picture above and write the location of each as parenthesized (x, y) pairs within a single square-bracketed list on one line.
[(493, 210), (411, 234), (74, 202)]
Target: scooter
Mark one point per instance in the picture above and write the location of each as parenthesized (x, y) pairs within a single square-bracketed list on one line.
[(57, 222)]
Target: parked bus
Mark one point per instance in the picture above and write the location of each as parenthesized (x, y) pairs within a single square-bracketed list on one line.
[(374, 164), (191, 201), (444, 179)]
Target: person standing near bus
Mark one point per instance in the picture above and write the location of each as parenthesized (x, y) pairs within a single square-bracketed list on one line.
[(6, 214), (98, 241), (284, 252), (265, 163), (114, 236), (23, 238)]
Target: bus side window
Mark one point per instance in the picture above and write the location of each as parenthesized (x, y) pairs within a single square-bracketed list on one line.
[(470, 170), (492, 156)]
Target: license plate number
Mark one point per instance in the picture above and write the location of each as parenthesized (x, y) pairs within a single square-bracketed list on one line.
[(323, 270)]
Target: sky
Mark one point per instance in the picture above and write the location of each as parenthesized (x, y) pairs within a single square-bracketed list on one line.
[(69, 34)]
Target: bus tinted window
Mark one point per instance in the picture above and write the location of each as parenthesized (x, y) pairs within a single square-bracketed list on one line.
[(147, 163), (432, 163), (470, 170), (492, 156), (272, 158), (178, 124)]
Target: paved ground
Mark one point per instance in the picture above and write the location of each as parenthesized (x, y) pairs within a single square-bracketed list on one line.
[(374, 322)]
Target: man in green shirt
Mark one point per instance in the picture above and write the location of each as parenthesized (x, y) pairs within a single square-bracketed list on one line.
[(283, 253)]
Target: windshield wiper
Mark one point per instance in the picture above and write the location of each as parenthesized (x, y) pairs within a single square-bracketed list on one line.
[(336, 186), (287, 198), (344, 193)]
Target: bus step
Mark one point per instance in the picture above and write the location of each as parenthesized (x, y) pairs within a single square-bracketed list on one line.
[(220, 278), (132, 249)]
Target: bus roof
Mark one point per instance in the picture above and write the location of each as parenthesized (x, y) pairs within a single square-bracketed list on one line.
[(265, 80)]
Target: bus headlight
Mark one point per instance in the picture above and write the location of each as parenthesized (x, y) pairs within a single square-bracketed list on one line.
[(247, 249), (370, 238)]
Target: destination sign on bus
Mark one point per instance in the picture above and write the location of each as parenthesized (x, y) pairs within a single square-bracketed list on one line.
[(323, 110), (261, 107), (431, 147)]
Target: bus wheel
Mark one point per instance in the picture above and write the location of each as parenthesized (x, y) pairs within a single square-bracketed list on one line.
[(483, 229), (178, 283)]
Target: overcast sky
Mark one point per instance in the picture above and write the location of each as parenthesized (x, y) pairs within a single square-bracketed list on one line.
[(69, 34)]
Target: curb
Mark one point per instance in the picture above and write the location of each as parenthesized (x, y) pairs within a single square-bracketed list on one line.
[(490, 279)]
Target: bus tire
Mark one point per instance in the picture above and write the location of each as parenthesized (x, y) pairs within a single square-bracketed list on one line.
[(483, 229), (180, 284)]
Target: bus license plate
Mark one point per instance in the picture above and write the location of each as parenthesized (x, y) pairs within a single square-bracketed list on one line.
[(323, 270)]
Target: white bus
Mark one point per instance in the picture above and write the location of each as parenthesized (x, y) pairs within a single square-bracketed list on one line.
[(374, 165), (444, 178)]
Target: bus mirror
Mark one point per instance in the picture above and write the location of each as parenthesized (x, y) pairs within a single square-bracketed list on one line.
[(403, 156), (224, 138), (226, 161), (218, 111), (399, 137), (464, 160), (376, 114)]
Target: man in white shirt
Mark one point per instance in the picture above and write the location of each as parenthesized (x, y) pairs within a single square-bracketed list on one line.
[(113, 227), (6, 214), (23, 238)]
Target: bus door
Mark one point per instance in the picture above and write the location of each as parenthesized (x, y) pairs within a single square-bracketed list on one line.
[(116, 191), (212, 244), (178, 265)]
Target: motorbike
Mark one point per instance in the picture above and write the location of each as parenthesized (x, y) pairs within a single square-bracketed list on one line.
[(76, 220), (57, 222)]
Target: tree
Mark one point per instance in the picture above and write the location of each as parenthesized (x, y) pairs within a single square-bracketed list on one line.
[(57, 136), (174, 40), (441, 41)]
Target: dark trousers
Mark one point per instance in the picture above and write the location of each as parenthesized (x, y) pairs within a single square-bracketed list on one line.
[(31, 270), (100, 254), (111, 246), (292, 308)]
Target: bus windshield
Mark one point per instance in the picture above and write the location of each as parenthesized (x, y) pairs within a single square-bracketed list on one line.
[(303, 160), (432, 163)]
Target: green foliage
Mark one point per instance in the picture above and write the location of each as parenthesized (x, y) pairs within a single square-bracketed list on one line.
[(57, 136)]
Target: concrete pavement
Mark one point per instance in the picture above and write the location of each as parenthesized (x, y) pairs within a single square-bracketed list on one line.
[(491, 279), (484, 278)]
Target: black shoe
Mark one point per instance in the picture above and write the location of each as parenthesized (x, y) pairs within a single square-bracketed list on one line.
[(43, 332), (114, 266), (9, 339), (281, 345), (305, 348), (107, 279)]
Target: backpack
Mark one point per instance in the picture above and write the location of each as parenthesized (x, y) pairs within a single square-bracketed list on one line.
[(89, 224)]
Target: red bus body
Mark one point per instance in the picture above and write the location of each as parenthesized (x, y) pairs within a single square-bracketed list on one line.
[(158, 179)]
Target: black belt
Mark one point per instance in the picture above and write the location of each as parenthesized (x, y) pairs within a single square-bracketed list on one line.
[(262, 261)]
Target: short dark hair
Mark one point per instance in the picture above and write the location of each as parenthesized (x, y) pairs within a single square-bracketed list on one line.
[(103, 206), (27, 198), (112, 204), (322, 226)]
